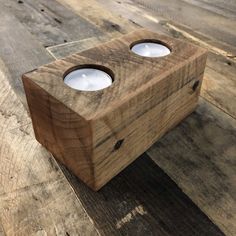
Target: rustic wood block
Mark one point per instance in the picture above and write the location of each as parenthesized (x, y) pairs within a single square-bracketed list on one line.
[(97, 134)]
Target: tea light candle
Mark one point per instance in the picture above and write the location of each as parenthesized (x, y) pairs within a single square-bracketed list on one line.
[(150, 49), (88, 79)]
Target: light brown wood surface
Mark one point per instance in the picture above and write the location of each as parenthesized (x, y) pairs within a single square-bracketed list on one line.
[(142, 200), (147, 98)]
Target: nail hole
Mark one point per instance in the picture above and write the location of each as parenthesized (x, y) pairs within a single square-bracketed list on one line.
[(42, 10), (195, 85), (229, 63), (58, 21), (118, 144), (115, 26), (20, 2)]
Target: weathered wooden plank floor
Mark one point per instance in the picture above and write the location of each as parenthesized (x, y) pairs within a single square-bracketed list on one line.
[(199, 155)]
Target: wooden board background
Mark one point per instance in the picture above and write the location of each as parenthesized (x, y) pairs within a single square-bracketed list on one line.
[(199, 155)]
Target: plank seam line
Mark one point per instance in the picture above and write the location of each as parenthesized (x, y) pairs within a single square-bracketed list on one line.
[(225, 112), (51, 54), (68, 43), (107, 36)]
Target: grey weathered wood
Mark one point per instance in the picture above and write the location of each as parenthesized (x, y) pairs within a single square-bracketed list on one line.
[(96, 14), (50, 22), (19, 50), (225, 8), (200, 155), (66, 49), (35, 197), (220, 82), (143, 200), (207, 22)]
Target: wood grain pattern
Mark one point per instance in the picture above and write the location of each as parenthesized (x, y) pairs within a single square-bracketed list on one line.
[(19, 46), (95, 13), (221, 76), (205, 142), (105, 206), (215, 26), (32, 186), (50, 22), (124, 111), (200, 155), (143, 200)]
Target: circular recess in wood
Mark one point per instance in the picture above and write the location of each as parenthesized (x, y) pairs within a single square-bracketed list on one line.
[(150, 48), (89, 77)]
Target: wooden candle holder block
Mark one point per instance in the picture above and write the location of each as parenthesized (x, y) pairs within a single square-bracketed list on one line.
[(97, 134)]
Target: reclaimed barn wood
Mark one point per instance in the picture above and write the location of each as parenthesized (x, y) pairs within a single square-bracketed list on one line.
[(211, 119), (216, 26), (206, 149), (143, 200), (85, 130), (95, 13), (200, 155), (15, 52), (32, 187), (51, 22), (220, 80), (52, 223)]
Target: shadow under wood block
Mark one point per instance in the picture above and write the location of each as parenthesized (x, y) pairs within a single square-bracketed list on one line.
[(96, 134), (143, 200)]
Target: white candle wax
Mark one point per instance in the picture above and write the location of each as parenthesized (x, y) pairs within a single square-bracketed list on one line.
[(149, 49), (88, 79)]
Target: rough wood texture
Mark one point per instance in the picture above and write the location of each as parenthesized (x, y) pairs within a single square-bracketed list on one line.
[(32, 187), (97, 15), (50, 22), (216, 26), (200, 155), (143, 200), (144, 91), (211, 119), (124, 207), (207, 137), (19, 46), (220, 80)]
